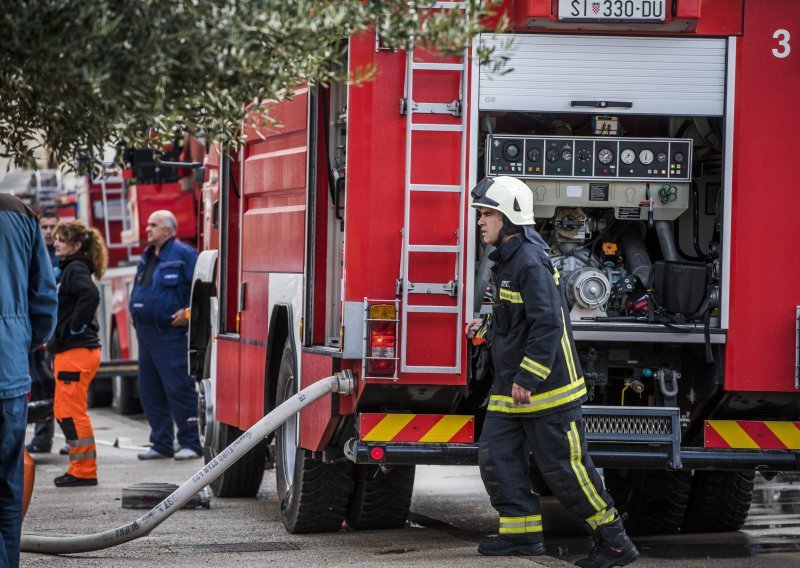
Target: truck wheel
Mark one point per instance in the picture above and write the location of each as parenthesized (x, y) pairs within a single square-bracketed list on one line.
[(654, 500), (719, 501), (99, 394), (381, 497), (124, 390), (313, 494), (243, 478)]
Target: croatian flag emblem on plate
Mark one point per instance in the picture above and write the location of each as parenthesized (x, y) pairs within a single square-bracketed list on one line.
[(595, 7)]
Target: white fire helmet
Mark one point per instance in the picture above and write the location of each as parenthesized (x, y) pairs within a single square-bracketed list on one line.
[(508, 195)]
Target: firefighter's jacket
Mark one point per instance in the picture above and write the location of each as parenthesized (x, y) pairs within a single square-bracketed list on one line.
[(153, 303), (530, 338)]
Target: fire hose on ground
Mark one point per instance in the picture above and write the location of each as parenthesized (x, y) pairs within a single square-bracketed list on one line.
[(342, 383)]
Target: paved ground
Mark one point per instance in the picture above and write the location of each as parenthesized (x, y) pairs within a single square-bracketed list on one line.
[(450, 512)]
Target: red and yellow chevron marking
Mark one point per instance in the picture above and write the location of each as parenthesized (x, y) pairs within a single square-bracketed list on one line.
[(752, 435), (430, 428)]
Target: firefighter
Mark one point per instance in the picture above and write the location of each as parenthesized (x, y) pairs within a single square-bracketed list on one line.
[(158, 304), (76, 345), (535, 402)]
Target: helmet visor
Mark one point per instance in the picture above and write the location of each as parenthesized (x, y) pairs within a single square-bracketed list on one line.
[(479, 193)]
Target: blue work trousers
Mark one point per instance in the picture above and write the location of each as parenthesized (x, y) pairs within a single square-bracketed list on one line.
[(167, 392), (13, 413)]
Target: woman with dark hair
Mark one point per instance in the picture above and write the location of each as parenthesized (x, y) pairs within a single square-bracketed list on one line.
[(82, 254)]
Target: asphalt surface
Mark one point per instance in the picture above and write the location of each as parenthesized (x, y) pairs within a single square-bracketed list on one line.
[(450, 512)]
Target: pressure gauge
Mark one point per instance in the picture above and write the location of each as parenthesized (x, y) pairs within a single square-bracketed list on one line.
[(679, 157), (646, 157), (661, 157), (566, 155), (583, 154), (627, 156), (605, 156), (511, 152), (553, 155), (534, 155)]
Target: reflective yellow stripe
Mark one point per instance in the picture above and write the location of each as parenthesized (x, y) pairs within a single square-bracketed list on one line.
[(533, 367), (447, 427), (550, 399), (735, 435), (556, 275), (519, 525), (603, 517), (509, 296), (567, 348), (576, 462), (786, 432), (388, 427)]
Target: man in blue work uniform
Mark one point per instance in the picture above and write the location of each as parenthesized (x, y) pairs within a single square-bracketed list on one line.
[(535, 400), (158, 302), (28, 305)]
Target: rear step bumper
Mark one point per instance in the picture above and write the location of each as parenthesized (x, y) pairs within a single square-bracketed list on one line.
[(602, 456)]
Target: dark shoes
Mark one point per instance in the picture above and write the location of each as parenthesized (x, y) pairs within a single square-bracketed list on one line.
[(68, 480), (509, 546), (34, 449), (64, 451), (612, 547)]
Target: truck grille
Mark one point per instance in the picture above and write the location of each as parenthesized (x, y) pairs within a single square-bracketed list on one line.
[(640, 425)]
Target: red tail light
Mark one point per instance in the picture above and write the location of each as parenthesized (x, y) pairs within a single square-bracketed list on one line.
[(382, 341)]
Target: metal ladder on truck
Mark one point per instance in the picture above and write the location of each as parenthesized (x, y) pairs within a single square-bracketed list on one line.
[(411, 247)]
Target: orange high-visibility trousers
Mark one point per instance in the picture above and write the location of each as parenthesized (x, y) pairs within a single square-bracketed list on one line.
[(74, 371)]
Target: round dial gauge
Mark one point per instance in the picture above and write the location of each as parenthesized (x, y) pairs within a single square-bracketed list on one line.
[(553, 155), (627, 156), (534, 155), (511, 152), (646, 157), (566, 155), (605, 156), (679, 157), (583, 155), (661, 157)]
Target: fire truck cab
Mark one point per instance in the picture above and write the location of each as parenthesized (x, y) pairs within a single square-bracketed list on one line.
[(653, 135)]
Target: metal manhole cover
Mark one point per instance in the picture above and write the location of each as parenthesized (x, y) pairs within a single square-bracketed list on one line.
[(236, 547)]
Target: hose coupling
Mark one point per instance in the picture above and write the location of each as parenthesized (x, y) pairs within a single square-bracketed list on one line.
[(347, 383)]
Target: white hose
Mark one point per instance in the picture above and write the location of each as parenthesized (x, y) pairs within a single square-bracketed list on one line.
[(341, 382)]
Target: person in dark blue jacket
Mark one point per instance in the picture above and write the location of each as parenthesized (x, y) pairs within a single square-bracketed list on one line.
[(42, 440), (158, 303), (27, 319)]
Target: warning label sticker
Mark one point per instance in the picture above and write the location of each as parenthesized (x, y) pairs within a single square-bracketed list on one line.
[(629, 213), (598, 192)]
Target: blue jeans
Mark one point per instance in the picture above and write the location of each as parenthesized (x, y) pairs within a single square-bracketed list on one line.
[(13, 413)]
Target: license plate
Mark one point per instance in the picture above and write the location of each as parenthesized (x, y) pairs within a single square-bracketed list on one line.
[(612, 10)]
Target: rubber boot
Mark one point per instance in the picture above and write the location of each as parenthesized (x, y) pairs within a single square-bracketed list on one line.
[(612, 547), (509, 546)]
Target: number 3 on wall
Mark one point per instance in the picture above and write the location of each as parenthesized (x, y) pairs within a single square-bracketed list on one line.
[(783, 42)]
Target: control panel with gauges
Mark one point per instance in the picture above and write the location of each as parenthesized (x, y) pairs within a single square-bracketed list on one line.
[(651, 159)]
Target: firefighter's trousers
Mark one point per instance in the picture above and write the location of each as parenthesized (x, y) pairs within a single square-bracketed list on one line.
[(74, 370), (558, 446)]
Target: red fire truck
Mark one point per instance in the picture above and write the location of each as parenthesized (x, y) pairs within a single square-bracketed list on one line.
[(653, 137), (120, 202)]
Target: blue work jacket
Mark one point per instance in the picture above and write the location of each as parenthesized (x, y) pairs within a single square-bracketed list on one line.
[(152, 306), (27, 294)]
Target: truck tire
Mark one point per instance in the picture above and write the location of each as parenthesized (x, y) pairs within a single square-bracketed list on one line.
[(98, 394), (124, 390), (313, 494), (381, 497), (655, 501), (719, 501), (243, 478)]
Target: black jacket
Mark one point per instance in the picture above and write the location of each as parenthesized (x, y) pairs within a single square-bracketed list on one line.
[(530, 337), (78, 299)]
